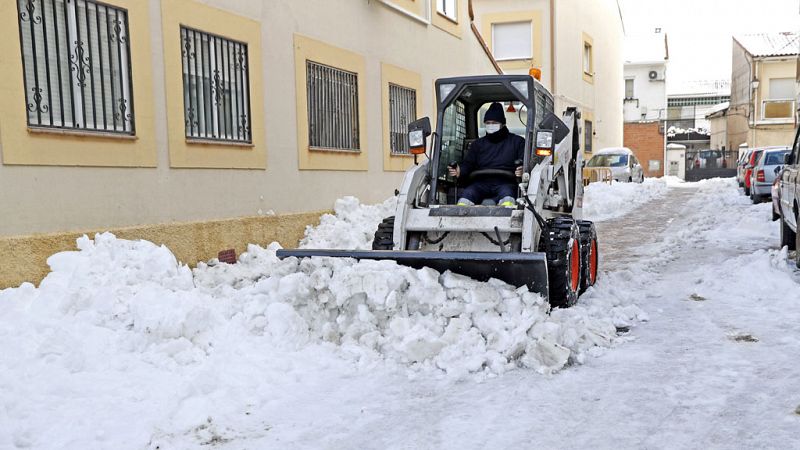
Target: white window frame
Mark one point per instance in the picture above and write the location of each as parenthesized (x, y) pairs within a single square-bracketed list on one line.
[(588, 58), (442, 8)]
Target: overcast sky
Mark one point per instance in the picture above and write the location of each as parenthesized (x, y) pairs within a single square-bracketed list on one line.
[(700, 31)]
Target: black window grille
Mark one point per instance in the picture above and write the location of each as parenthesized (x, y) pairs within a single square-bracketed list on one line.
[(332, 108), (402, 111), (216, 93), (77, 66)]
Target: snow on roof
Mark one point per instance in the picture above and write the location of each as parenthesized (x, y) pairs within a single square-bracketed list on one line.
[(717, 109), (770, 44), (643, 48)]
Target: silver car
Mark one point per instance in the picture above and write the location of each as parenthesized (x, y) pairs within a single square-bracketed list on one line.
[(766, 169), (621, 161)]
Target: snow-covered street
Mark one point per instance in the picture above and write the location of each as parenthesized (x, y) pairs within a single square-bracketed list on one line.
[(688, 340)]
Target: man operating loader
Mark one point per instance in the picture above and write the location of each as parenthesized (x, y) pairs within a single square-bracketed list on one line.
[(499, 149)]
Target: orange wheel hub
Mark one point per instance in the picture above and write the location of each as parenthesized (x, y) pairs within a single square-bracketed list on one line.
[(575, 265), (593, 263)]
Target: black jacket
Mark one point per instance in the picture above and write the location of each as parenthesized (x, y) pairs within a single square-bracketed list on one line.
[(495, 151)]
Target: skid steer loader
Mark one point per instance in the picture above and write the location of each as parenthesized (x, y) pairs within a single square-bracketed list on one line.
[(541, 243)]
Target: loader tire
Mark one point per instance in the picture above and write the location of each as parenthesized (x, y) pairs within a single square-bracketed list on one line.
[(384, 236), (590, 254), (561, 243)]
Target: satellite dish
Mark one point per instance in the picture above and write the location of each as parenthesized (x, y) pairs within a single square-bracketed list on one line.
[(653, 74)]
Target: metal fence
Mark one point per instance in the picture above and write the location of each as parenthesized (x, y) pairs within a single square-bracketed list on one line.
[(216, 94), (704, 164), (332, 108), (402, 111), (77, 67)]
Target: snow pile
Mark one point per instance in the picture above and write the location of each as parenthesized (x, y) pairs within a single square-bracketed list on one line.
[(352, 225), (603, 201), (416, 318)]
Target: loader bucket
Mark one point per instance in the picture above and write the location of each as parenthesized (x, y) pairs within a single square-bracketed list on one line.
[(517, 269)]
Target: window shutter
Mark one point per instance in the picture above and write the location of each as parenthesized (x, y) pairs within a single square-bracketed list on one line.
[(512, 40)]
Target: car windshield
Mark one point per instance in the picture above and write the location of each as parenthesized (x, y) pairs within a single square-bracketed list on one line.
[(775, 158), (608, 160)]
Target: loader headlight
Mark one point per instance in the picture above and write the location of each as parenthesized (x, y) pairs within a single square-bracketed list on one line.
[(416, 138), (544, 142), (544, 139)]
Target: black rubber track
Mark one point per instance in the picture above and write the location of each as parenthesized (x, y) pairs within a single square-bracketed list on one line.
[(384, 236), (555, 243), (588, 234)]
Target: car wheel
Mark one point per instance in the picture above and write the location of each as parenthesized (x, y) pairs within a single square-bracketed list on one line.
[(797, 254), (788, 237)]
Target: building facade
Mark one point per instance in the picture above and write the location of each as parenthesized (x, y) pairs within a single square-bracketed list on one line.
[(145, 113), (645, 98), (578, 47), (763, 105)]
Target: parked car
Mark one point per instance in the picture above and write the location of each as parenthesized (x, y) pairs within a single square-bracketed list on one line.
[(748, 168), (789, 196), (708, 159), (741, 164), (765, 170), (621, 161)]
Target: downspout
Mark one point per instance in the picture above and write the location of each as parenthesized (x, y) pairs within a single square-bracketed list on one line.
[(552, 47), (481, 40)]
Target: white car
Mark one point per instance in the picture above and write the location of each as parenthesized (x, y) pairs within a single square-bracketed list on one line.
[(621, 161)]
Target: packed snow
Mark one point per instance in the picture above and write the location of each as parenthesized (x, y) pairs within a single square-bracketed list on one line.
[(123, 347), (603, 201)]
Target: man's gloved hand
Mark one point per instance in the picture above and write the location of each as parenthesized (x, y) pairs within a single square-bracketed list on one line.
[(454, 170), (518, 172)]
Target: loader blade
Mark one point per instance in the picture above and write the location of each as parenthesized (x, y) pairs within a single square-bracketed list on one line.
[(517, 269)]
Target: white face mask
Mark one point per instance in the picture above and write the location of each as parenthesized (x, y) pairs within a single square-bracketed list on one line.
[(492, 128)]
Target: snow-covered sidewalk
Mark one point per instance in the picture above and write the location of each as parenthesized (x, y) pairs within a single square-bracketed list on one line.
[(121, 347)]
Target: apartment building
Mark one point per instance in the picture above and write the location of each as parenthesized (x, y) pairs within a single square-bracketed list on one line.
[(207, 124), (578, 47), (645, 98), (763, 104)]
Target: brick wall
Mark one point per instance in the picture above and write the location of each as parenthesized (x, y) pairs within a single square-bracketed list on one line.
[(647, 144)]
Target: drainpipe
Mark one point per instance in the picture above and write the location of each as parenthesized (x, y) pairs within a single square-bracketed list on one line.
[(553, 47), (481, 40)]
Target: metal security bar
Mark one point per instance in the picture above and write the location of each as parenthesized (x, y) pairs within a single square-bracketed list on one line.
[(77, 66), (402, 111), (332, 108), (216, 92)]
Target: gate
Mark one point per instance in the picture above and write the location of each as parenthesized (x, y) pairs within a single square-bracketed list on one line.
[(704, 164)]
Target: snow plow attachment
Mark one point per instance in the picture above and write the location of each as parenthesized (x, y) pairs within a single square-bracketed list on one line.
[(516, 269)]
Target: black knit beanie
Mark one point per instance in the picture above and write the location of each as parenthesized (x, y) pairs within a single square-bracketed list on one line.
[(496, 113)]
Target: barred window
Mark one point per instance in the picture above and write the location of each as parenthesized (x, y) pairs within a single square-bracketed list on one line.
[(332, 108), (402, 111), (588, 134), (76, 63), (216, 93)]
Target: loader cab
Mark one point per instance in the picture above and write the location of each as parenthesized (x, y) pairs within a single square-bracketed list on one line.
[(461, 104)]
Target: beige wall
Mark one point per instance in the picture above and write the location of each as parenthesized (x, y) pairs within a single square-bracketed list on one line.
[(576, 22), (718, 129), (42, 199)]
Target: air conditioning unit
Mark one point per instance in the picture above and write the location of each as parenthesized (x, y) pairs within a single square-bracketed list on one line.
[(654, 75)]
